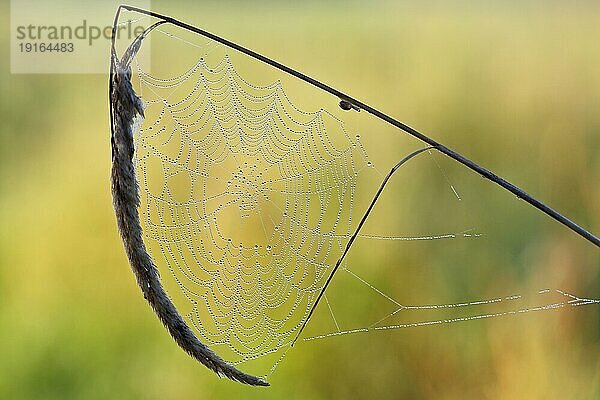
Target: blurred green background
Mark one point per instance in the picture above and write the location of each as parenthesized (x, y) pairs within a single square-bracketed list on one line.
[(512, 85)]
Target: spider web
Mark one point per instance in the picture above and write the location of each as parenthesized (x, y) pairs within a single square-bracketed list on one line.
[(235, 157), (248, 202)]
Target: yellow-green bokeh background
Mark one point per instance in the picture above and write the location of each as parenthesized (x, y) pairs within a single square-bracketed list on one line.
[(513, 85)]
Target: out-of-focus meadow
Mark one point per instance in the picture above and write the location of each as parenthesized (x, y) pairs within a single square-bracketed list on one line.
[(513, 85)]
